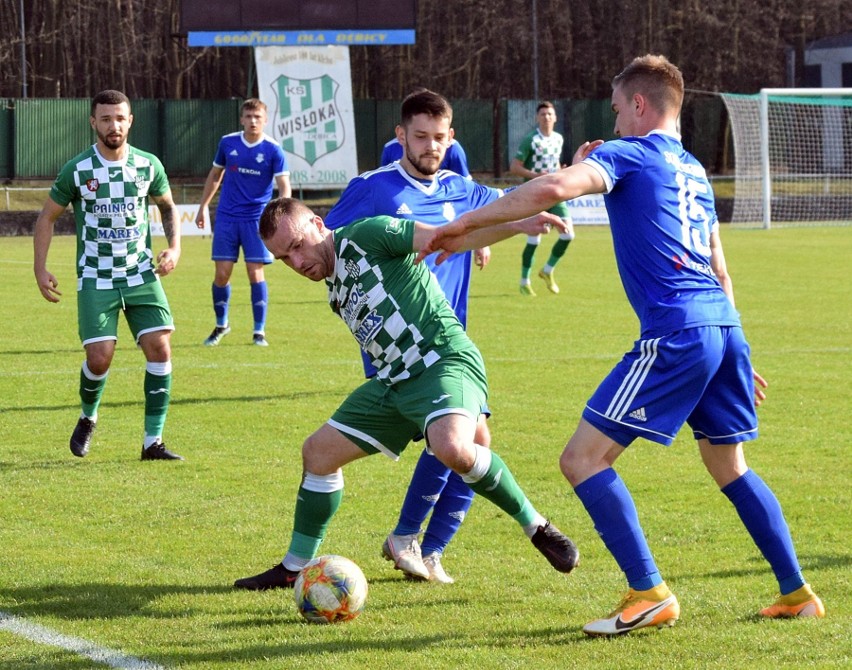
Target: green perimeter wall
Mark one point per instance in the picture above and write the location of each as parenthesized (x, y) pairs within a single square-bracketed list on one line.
[(38, 135)]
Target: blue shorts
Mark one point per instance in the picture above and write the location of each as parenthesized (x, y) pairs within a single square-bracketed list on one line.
[(231, 234), (699, 376)]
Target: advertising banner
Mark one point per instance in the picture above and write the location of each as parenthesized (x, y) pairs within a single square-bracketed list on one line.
[(308, 91)]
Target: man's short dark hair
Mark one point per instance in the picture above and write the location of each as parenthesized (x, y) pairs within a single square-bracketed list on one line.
[(253, 103), (424, 101), (109, 97), (277, 209), (545, 104)]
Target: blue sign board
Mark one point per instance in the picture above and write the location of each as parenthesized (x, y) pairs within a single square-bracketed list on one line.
[(298, 38)]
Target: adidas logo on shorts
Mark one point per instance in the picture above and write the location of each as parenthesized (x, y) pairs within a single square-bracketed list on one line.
[(638, 414)]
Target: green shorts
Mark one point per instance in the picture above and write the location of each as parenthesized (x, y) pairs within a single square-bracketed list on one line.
[(561, 210), (385, 419), (145, 307)]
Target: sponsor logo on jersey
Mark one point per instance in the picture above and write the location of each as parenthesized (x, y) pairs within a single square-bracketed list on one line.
[(369, 327), (92, 184), (352, 268), (114, 210), (245, 170), (118, 234), (393, 227), (356, 299), (234, 152), (114, 175), (403, 210)]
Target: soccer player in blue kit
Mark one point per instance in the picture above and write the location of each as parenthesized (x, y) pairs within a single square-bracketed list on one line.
[(248, 161), (415, 187), (691, 363)]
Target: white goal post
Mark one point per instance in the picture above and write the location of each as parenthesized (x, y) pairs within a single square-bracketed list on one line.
[(792, 156)]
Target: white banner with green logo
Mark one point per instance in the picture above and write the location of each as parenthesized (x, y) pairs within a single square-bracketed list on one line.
[(308, 91)]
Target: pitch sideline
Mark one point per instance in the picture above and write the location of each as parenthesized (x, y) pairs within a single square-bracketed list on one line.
[(42, 635)]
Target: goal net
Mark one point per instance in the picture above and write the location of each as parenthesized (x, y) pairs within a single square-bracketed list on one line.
[(792, 157)]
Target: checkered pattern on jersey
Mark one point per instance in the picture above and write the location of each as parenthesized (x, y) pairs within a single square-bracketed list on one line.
[(544, 152), (362, 293), (111, 208)]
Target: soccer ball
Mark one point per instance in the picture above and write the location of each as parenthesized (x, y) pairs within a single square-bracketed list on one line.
[(329, 589)]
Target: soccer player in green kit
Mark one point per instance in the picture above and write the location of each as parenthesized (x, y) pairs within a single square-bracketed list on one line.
[(540, 153), (109, 186), (430, 380)]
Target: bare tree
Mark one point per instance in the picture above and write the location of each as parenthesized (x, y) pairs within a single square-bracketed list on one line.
[(466, 49)]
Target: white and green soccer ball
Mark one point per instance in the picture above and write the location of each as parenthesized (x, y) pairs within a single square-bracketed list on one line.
[(329, 589)]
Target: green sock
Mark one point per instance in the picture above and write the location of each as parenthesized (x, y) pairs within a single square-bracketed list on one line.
[(91, 391), (527, 260), (158, 391), (499, 486), (558, 251), (313, 513)]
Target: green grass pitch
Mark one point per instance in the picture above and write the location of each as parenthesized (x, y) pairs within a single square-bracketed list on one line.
[(140, 557)]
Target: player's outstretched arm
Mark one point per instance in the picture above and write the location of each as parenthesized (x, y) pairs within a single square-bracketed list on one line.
[(464, 240), (535, 196)]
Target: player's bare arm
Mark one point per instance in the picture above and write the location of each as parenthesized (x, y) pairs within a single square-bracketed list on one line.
[(285, 190), (167, 259), (42, 237), (211, 185), (466, 240), (535, 196)]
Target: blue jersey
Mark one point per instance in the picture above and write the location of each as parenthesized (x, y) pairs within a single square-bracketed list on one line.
[(249, 171), (662, 211), (390, 190), (455, 159)]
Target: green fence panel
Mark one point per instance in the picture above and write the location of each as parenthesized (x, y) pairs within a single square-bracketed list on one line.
[(365, 133), (38, 136), (48, 133), (7, 143), (473, 122), (194, 128)]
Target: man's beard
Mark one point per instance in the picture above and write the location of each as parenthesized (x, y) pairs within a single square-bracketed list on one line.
[(419, 165), (112, 143)]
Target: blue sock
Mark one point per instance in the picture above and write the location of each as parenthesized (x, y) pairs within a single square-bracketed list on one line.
[(221, 299), (427, 485), (449, 512), (613, 512), (259, 298), (761, 514)]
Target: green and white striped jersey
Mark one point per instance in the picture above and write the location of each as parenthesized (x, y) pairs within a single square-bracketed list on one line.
[(539, 153), (110, 202), (395, 309)]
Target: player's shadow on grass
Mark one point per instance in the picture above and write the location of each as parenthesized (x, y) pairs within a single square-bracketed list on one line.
[(99, 601), (809, 562), (206, 400), (40, 352)]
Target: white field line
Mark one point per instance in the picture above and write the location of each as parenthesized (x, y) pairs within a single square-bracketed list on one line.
[(42, 635)]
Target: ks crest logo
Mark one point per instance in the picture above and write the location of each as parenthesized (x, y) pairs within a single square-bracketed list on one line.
[(307, 121)]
